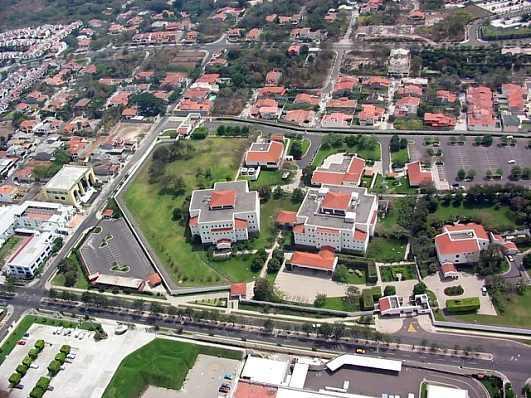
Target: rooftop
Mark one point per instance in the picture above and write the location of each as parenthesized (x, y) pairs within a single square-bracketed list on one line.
[(67, 177)]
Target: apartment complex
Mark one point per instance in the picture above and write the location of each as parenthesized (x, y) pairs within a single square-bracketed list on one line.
[(225, 214), (341, 218), (71, 185)]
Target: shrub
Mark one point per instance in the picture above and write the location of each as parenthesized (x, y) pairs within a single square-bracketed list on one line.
[(372, 275), (454, 290), (33, 353), (367, 301), (43, 383), (54, 367), (27, 361), (320, 300), (61, 357), (37, 392), (39, 345), (459, 306), (66, 349), (22, 369), (420, 288), (389, 290), (15, 378)]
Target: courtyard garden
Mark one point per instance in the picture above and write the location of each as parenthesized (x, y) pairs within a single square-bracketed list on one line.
[(366, 147), (386, 250), (396, 185), (398, 272)]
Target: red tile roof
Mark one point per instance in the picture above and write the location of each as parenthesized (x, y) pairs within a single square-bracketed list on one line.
[(248, 390), (273, 77), (384, 304), (515, 96), (342, 102), (210, 78), (446, 95), (240, 223), (477, 228), (272, 154), (154, 279), (439, 120), (299, 116), (445, 245), (222, 198), (298, 228), (286, 217), (370, 112), (360, 235), (238, 289), (416, 175), (325, 259), (320, 177), (271, 91), (448, 267), (352, 175), (309, 99), (336, 200)]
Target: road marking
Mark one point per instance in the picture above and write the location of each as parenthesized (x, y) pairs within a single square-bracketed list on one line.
[(411, 328)]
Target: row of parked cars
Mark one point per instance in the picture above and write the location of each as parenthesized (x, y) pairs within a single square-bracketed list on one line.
[(226, 384)]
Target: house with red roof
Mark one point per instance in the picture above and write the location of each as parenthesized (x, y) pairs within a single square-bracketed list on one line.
[(272, 91), (225, 214), (337, 119), (446, 96), (265, 108), (342, 104), (407, 106), (273, 77), (129, 113), (449, 271), (370, 115), (344, 85), (417, 175), (295, 49), (238, 291), (300, 117), (461, 243), (186, 105), (413, 90), (173, 80), (325, 260), (286, 218), (439, 120), (268, 154), (512, 98), (307, 99), (378, 82), (480, 109), (416, 16), (348, 172), (253, 35), (340, 217), (119, 98)]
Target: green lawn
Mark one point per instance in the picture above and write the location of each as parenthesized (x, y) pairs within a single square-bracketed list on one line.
[(385, 250), (81, 282), (365, 153), (339, 304), (516, 313), (499, 219), (400, 156), (267, 178), (408, 124), (161, 363), (8, 247), (393, 185), (189, 265), (26, 322), (388, 273), (357, 275)]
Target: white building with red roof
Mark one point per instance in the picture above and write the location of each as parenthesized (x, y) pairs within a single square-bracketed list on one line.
[(336, 119), (417, 175), (225, 214), (461, 243), (325, 260), (449, 271), (339, 217), (347, 172), (268, 154)]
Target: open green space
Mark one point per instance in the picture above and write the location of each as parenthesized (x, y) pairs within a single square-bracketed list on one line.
[(385, 250), (214, 159), (516, 312), (26, 322), (400, 156), (341, 304), (492, 217), (353, 275), (414, 123), (8, 247), (368, 153), (305, 144), (161, 363), (267, 178), (392, 185), (390, 273), (81, 281)]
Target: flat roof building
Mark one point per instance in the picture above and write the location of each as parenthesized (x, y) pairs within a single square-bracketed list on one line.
[(436, 391), (73, 185), (30, 255), (225, 214)]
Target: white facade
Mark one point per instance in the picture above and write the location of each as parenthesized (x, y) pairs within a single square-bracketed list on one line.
[(461, 243), (30, 256)]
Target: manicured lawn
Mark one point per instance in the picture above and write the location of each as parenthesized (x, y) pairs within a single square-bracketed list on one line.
[(339, 304), (388, 273), (365, 153), (392, 185), (516, 313), (161, 363), (8, 247), (400, 156), (81, 282), (408, 124), (267, 178), (217, 158), (357, 275), (499, 219), (385, 250), (26, 322)]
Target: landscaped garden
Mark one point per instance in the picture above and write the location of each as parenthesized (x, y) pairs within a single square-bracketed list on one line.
[(161, 363), (364, 146), (213, 159), (393, 273), (399, 185), (8, 247)]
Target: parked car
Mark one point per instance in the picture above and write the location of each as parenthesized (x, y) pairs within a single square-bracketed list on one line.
[(510, 258), (21, 342), (360, 351), (484, 291)]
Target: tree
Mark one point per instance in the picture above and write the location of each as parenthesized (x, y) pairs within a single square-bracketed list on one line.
[(471, 174), (490, 261), (341, 274), (389, 290), (516, 173), (57, 245), (307, 328), (70, 278), (15, 378), (339, 330), (273, 265), (320, 300), (156, 308), (177, 214), (297, 196), (352, 295), (487, 140), (307, 173), (263, 290), (265, 193), (296, 149), (269, 325), (461, 174), (394, 144), (325, 330), (148, 105), (420, 288), (278, 193)]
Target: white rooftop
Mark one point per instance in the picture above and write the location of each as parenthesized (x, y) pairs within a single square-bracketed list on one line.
[(365, 362), (31, 251), (298, 376), (435, 391), (263, 370), (7, 217), (289, 393), (67, 177)]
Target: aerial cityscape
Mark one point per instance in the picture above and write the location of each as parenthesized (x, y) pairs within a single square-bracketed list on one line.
[(265, 199)]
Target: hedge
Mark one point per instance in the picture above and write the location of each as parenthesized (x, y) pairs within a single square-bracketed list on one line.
[(65, 349), (61, 357), (470, 304), (15, 378), (368, 296), (27, 361), (372, 275), (37, 392), (43, 383), (39, 345), (54, 367)]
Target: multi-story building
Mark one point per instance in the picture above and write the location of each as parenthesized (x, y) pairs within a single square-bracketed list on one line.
[(268, 154), (461, 243), (225, 214), (71, 185), (338, 217), (347, 172), (417, 175), (30, 254)]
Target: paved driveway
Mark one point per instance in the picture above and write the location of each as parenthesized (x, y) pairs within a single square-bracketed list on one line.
[(472, 288)]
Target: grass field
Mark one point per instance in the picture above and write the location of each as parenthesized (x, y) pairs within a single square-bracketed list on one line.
[(392, 185), (499, 219), (339, 304), (26, 322), (384, 250), (367, 154), (400, 156), (8, 247), (516, 313), (407, 271), (81, 282), (267, 178), (189, 265), (357, 275), (161, 363)]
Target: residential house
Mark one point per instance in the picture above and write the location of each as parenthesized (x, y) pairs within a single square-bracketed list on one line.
[(370, 115), (417, 175), (439, 120), (307, 99), (300, 117), (265, 153), (336, 119), (348, 172), (273, 77), (407, 106)]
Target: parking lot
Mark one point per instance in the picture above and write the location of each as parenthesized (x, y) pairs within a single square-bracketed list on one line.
[(374, 383), (478, 158), (112, 250), (87, 375)]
